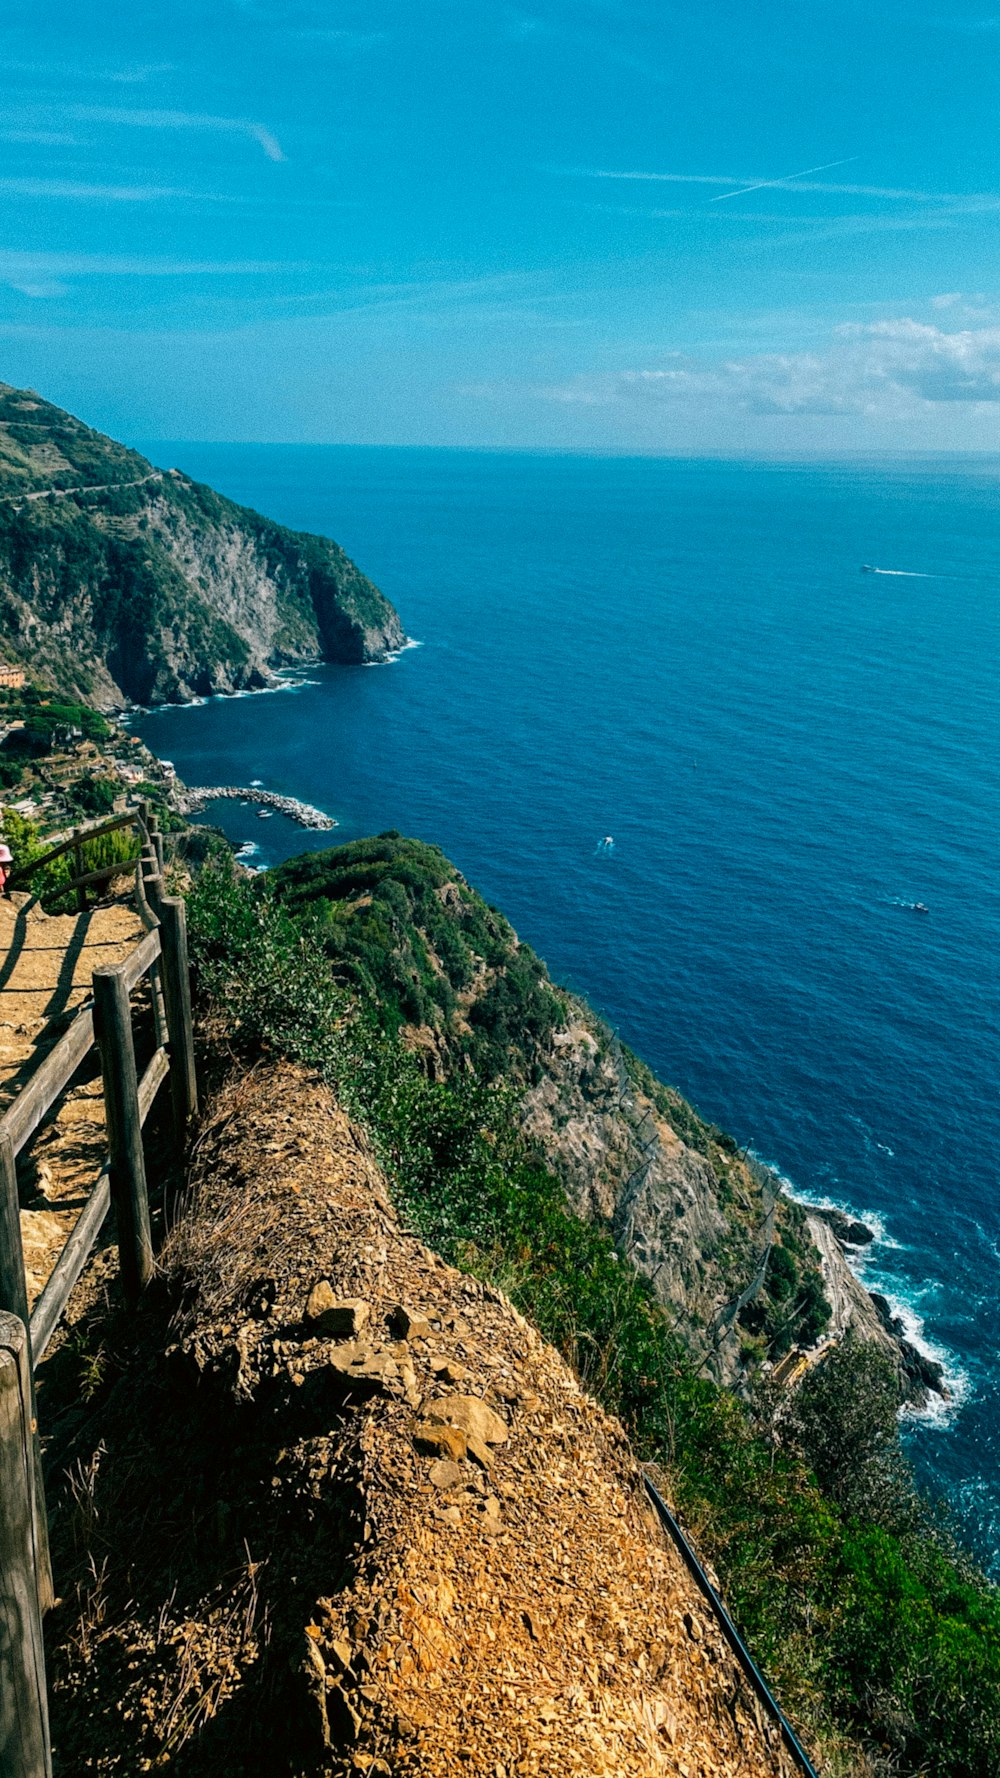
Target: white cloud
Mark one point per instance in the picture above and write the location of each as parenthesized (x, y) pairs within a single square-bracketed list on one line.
[(180, 120), (884, 369), (42, 138), (41, 287), (75, 189), (27, 271)]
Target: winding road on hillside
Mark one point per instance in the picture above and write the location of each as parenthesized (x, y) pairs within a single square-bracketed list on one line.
[(155, 475)]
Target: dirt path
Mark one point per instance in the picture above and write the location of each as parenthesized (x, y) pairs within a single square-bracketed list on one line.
[(46, 964), (156, 475), (386, 1504)]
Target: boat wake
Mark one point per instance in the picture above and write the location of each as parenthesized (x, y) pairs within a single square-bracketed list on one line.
[(897, 573)]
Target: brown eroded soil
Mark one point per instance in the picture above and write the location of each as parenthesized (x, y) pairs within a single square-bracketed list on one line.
[(46, 964), (362, 1520)]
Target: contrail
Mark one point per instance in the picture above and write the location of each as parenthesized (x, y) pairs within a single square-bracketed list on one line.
[(769, 184)]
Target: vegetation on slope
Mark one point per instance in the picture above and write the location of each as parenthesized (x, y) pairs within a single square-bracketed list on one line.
[(875, 1630), (404, 930)]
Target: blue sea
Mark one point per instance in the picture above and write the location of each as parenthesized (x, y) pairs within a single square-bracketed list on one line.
[(789, 754)]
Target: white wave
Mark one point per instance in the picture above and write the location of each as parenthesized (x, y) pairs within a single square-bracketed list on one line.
[(903, 573), (872, 1219), (937, 1411), (390, 660)]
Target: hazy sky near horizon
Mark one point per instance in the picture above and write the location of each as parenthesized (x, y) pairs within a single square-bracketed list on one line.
[(720, 226)]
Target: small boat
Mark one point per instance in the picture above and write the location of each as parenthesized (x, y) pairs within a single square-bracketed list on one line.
[(920, 907), (264, 814), (866, 568)]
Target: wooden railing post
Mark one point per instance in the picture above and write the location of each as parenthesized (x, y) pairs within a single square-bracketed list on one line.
[(177, 989), (156, 836), (81, 893), (151, 876), (113, 1023), (14, 1301), (13, 1288), (24, 1715)]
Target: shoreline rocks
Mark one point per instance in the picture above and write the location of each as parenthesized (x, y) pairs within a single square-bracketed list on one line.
[(193, 799), (850, 1232)]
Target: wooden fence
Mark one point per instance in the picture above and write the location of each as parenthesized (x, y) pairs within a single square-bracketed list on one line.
[(105, 1020)]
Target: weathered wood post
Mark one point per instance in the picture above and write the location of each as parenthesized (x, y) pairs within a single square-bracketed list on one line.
[(113, 1024), (152, 888), (24, 1715), (81, 893), (14, 1301), (177, 990), (13, 1288), (156, 837), (151, 876)]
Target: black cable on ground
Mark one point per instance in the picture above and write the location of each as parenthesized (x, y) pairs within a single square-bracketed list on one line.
[(745, 1659)]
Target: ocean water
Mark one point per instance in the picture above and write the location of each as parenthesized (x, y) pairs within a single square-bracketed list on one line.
[(789, 754)]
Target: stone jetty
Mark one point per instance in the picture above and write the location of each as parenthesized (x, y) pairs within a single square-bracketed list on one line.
[(190, 800)]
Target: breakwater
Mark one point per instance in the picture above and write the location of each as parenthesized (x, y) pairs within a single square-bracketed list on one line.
[(190, 800)]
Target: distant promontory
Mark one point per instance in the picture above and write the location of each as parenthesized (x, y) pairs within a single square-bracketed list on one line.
[(121, 583)]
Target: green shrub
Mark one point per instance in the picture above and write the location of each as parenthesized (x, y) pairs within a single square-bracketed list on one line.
[(95, 796), (49, 883)]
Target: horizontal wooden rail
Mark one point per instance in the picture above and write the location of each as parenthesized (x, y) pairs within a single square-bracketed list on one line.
[(122, 868), (138, 962), (152, 1081), (47, 1312), (50, 1079), (131, 818)]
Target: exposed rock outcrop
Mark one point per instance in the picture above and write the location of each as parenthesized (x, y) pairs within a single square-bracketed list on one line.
[(623, 1163)]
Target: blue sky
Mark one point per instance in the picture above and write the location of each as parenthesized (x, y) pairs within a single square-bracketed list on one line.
[(721, 226)]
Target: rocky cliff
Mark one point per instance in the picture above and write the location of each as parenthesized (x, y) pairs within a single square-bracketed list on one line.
[(121, 582), (724, 1250)]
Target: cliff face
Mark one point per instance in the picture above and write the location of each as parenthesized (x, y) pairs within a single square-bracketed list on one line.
[(729, 1256), (121, 582)]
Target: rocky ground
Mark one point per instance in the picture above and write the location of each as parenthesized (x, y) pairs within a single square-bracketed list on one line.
[(364, 1520)]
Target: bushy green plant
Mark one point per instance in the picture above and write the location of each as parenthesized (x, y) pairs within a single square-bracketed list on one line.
[(390, 935), (94, 796), (50, 881)]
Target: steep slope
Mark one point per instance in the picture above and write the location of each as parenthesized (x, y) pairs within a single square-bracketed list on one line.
[(393, 1535), (723, 1248), (122, 582)]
